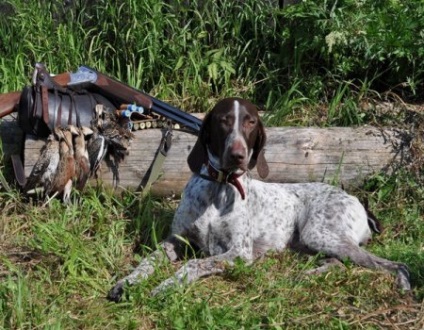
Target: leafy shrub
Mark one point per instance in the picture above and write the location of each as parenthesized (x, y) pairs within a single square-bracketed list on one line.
[(192, 52), (379, 41)]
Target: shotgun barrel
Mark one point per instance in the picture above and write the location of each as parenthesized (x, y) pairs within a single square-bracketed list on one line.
[(177, 115)]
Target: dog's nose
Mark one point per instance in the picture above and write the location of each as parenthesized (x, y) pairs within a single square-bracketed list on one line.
[(237, 157), (238, 152)]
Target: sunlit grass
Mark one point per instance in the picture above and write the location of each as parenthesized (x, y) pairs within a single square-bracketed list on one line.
[(58, 262)]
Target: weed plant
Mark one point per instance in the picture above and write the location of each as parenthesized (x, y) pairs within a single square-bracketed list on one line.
[(315, 63)]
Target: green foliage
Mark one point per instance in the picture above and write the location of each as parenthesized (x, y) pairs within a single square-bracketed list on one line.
[(190, 53), (360, 39)]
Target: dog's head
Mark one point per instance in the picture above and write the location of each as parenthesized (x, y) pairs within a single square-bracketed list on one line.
[(234, 136)]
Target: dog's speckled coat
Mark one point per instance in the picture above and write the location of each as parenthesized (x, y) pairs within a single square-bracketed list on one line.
[(214, 216)]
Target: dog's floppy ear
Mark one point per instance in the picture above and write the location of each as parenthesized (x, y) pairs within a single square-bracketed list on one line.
[(198, 155), (258, 156), (262, 165)]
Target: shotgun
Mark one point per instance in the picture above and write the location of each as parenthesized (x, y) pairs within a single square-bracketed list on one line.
[(116, 93), (114, 89)]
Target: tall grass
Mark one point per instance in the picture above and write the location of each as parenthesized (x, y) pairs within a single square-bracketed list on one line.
[(189, 52)]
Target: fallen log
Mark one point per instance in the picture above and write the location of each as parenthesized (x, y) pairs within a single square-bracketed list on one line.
[(343, 155), (336, 155)]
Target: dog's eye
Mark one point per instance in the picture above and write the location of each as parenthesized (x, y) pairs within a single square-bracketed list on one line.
[(250, 121), (223, 120), (226, 120)]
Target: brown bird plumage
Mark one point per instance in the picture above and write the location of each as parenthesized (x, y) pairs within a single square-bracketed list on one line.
[(45, 168), (82, 162), (62, 182)]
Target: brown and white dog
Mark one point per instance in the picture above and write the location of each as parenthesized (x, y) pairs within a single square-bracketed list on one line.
[(227, 214)]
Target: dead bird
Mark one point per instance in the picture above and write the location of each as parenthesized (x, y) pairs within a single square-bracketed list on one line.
[(81, 155), (97, 149), (110, 139), (62, 181), (45, 168)]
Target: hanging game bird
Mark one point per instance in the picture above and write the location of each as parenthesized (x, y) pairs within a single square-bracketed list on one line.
[(62, 181), (45, 168), (81, 155), (97, 149), (67, 157), (110, 138)]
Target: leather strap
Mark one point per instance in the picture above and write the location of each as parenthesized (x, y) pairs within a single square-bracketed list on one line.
[(71, 108), (58, 114), (18, 168), (156, 168), (45, 103)]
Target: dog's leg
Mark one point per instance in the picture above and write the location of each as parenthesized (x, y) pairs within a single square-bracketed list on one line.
[(343, 247), (168, 249), (197, 268), (366, 259), (325, 266)]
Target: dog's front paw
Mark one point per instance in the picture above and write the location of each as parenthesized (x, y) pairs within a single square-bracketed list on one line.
[(115, 294)]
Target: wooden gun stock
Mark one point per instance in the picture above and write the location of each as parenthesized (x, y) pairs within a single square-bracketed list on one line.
[(115, 89), (10, 101)]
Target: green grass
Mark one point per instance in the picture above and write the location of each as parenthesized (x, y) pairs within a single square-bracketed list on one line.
[(316, 63), (58, 263)]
